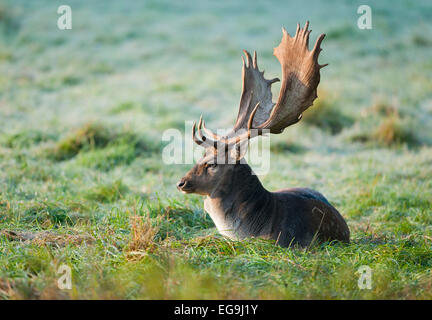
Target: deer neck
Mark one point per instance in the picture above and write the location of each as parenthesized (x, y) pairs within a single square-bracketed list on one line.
[(240, 206)]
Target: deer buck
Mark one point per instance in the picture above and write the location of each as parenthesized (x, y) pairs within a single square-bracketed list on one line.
[(235, 199)]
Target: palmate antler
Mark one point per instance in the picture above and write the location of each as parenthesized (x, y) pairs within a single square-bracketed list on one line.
[(300, 78)]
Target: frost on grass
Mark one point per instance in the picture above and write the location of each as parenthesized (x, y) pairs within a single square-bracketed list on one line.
[(389, 127)]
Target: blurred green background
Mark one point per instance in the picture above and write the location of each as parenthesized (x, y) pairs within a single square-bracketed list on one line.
[(82, 182)]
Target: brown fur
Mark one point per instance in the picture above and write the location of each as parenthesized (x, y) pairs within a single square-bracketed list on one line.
[(241, 207)]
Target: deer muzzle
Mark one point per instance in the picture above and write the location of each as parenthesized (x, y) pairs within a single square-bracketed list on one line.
[(184, 185)]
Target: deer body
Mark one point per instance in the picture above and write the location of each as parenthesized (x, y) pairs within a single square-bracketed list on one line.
[(290, 216), (235, 198)]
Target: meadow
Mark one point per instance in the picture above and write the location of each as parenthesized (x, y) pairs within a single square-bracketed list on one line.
[(82, 181)]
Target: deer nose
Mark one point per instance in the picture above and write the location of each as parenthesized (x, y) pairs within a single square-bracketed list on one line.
[(181, 183)]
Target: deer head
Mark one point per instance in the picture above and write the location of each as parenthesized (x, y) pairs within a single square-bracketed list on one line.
[(257, 113)]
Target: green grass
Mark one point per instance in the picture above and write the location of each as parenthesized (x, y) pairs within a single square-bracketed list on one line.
[(82, 181)]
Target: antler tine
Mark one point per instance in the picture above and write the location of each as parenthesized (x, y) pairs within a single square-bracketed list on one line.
[(208, 142), (248, 134), (200, 135), (251, 118), (306, 26), (195, 139), (202, 140), (306, 34), (317, 49), (249, 59), (210, 133)]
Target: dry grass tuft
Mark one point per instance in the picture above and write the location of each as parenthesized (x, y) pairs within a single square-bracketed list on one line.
[(7, 288), (47, 238), (380, 107), (390, 131), (142, 236), (393, 129), (18, 290), (326, 115)]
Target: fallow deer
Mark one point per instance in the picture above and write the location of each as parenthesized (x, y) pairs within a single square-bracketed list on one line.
[(235, 199)]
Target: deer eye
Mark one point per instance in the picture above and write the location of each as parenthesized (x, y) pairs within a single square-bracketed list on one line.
[(210, 165)]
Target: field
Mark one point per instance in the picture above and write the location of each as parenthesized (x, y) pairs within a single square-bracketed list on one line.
[(83, 184)]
